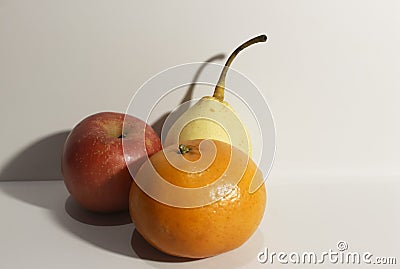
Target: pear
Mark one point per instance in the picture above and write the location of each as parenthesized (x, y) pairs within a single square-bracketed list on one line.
[(212, 117)]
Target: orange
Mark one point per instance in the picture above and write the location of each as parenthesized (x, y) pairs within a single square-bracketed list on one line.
[(205, 230)]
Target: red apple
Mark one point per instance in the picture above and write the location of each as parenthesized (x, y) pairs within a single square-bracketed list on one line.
[(95, 162)]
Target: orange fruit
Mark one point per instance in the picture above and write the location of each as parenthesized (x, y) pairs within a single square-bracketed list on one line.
[(202, 227)]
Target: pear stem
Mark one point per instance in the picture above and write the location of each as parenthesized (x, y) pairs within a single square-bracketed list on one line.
[(220, 88)]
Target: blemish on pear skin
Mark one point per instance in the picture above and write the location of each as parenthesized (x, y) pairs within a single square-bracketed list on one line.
[(212, 110)]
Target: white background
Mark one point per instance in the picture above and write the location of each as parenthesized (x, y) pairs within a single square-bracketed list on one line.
[(330, 73)]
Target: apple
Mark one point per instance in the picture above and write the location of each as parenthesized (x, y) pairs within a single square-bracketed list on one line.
[(96, 157)]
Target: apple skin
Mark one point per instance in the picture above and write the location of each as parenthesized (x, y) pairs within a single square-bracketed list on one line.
[(93, 164)]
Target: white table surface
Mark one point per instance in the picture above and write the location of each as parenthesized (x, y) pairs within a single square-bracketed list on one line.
[(42, 227)]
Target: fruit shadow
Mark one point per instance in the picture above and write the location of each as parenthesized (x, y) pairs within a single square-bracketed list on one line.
[(113, 232), (232, 259), (158, 125), (147, 252), (39, 161), (110, 232), (96, 229)]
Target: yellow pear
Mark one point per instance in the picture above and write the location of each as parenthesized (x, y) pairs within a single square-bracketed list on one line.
[(213, 118)]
